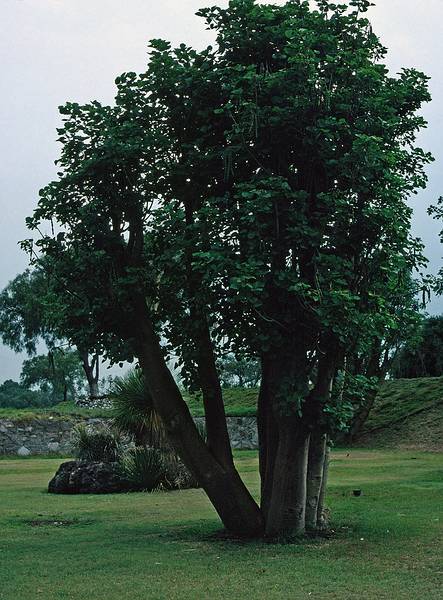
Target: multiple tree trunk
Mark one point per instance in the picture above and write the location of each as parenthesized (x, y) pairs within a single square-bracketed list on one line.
[(293, 454)]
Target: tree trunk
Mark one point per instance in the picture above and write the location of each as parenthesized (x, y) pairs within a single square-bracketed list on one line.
[(91, 370), (215, 417), (223, 485), (93, 389), (287, 504), (267, 439), (322, 513), (316, 460)]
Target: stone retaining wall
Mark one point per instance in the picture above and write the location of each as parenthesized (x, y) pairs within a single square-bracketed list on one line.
[(54, 435)]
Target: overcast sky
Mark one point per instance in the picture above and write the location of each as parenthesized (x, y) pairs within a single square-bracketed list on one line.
[(52, 51)]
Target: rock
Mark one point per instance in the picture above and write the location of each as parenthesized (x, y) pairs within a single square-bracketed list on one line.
[(23, 451), (80, 477), (53, 446)]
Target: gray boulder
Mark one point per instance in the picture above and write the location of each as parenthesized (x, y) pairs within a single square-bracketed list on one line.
[(23, 451)]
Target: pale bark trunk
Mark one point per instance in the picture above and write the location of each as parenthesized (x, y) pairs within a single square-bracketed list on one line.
[(322, 512), (91, 370), (317, 451)]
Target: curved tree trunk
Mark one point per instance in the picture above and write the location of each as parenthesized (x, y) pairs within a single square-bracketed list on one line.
[(223, 485), (215, 417)]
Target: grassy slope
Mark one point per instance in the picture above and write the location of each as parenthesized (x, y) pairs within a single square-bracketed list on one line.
[(162, 545), (418, 402), (238, 402), (402, 398), (64, 410)]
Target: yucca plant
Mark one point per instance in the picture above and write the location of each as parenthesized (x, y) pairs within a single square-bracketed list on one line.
[(98, 445), (133, 411), (144, 468)]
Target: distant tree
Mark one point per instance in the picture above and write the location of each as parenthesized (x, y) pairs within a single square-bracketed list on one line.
[(58, 374), (422, 356), (239, 371), (32, 310), (16, 395), (368, 361), (24, 313)]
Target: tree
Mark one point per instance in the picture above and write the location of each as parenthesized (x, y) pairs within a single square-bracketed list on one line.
[(246, 198), (368, 363), (23, 312), (422, 356), (32, 311), (239, 371), (58, 374), (15, 395)]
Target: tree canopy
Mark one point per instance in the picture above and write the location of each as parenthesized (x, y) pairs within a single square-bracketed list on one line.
[(250, 198)]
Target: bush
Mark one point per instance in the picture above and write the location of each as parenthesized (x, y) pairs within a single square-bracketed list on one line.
[(144, 468), (100, 445)]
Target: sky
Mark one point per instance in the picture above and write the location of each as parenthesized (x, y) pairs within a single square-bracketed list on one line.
[(52, 51)]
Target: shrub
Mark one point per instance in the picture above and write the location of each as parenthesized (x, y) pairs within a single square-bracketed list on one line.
[(144, 468), (99, 445), (133, 411)]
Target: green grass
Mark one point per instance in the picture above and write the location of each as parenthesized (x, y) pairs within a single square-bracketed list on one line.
[(164, 545), (239, 402)]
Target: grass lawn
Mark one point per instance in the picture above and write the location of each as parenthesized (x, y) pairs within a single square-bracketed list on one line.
[(165, 545)]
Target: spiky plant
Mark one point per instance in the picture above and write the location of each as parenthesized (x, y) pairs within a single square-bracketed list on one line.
[(144, 468), (133, 411), (99, 445)]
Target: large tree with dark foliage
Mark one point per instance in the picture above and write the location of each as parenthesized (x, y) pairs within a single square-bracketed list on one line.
[(250, 198)]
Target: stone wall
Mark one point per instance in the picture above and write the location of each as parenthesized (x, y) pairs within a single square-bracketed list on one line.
[(54, 435), (40, 436)]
